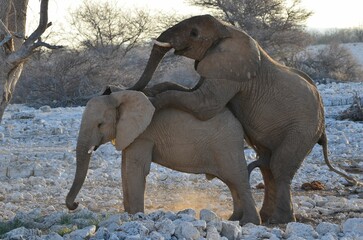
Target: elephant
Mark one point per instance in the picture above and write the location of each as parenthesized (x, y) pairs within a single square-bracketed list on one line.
[(279, 108), (169, 137)]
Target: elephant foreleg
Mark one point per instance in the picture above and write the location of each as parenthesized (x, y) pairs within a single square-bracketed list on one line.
[(136, 160), (204, 102), (167, 86)]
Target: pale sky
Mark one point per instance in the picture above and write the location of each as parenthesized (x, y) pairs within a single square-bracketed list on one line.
[(327, 13)]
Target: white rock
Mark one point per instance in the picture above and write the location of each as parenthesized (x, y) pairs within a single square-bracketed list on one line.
[(133, 237), (22, 233), (329, 236), (166, 228), (2, 137), (200, 224), (23, 115), (212, 233), (16, 197), (353, 225), (156, 236), (307, 204), (251, 231), (102, 233), (53, 236), (326, 227), (208, 215), (295, 229), (187, 231), (230, 229), (45, 108), (134, 228)]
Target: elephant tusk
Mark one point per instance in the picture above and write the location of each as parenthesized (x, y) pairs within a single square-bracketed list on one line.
[(91, 149), (162, 44), (113, 141)]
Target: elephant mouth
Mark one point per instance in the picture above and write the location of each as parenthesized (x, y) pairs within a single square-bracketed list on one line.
[(181, 51)]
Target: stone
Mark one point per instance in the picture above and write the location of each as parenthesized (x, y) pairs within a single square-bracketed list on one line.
[(113, 236), (329, 236), (134, 228), (230, 229), (212, 233), (156, 236), (166, 228), (251, 231), (353, 225), (53, 236), (45, 108), (23, 233), (116, 218), (102, 233), (301, 230), (22, 115), (133, 237), (189, 212), (57, 130), (326, 227), (207, 215), (81, 233), (317, 185), (187, 231)]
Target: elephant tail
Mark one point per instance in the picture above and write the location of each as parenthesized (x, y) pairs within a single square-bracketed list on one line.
[(252, 166), (323, 141)]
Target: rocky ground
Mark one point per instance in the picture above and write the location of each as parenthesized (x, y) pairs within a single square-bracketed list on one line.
[(37, 165)]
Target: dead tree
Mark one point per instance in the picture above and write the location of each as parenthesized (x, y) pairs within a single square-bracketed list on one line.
[(15, 48)]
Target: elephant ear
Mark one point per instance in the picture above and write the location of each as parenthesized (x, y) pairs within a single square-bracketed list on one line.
[(135, 112), (221, 28), (237, 58)]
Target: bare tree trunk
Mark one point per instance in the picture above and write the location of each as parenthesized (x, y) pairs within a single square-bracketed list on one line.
[(14, 48)]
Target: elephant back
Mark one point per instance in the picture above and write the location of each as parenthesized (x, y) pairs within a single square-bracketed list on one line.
[(180, 127)]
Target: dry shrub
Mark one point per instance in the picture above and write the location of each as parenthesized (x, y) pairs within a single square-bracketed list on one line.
[(71, 77), (354, 112), (330, 62)]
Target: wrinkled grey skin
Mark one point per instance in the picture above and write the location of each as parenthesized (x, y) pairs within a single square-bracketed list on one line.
[(279, 108), (170, 137)]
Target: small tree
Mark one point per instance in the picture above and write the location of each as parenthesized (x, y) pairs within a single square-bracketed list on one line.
[(275, 24), (103, 27), (14, 47)]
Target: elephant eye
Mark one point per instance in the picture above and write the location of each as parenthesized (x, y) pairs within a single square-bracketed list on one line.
[(99, 125), (194, 32)]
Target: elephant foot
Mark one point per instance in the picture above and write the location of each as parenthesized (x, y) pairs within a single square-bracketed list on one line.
[(250, 218), (281, 218), (246, 218), (265, 215), (236, 216)]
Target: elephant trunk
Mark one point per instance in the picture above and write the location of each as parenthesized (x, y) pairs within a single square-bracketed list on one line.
[(83, 159), (157, 53)]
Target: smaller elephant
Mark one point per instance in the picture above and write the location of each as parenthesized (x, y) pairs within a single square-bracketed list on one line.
[(169, 137)]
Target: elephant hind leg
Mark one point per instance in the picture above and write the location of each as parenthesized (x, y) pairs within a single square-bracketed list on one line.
[(244, 206), (285, 161), (269, 200)]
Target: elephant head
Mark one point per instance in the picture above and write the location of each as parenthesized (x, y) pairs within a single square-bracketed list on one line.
[(121, 116), (191, 38)]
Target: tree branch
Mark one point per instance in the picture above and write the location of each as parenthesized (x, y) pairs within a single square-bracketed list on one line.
[(4, 30), (47, 45), (34, 40), (43, 24)]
